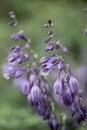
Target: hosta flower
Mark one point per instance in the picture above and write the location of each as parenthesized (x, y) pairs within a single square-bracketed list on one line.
[(58, 86), (50, 46), (19, 72), (48, 38), (23, 85), (36, 93), (13, 56), (42, 109), (82, 114), (53, 124), (64, 49), (60, 65), (18, 35), (12, 23), (9, 70)]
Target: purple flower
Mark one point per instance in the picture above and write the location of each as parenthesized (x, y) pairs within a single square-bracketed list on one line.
[(22, 84), (48, 24), (63, 127), (48, 39), (61, 65), (15, 48), (67, 96), (13, 56), (50, 32), (42, 109), (27, 56), (11, 14), (74, 106), (19, 60), (64, 49), (85, 31), (44, 59), (18, 35), (46, 69), (58, 86), (53, 124), (19, 72), (9, 70), (82, 115), (73, 84), (50, 46), (31, 100), (12, 23), (36, 93)]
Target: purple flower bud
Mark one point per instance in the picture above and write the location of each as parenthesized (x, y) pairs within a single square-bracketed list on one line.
[(82, 115), (12, 23), (43, 109), (72, 109), (44, 60), (31, 79), (69, 95), (23, 85), (74, 106), (13, 56), (50, 32), (63, 127), (85, 32), (58, 86), (27, 56), (73, 84), (31, 99), (36, 93), (50, 23), (53, 124), (9, 70), (60, 65), (48, 39), (64, 49), (19, 60), (50, 46), (15, 48), (46, 69), (11, 14), (19, 72), (18, 35)]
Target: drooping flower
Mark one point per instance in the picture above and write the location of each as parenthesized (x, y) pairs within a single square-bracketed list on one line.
[(50, 46), (48, 38), (22, 84), (8, 70), (18, 35), (53, 124)]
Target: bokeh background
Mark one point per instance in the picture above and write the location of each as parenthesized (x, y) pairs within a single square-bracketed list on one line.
[(69, 23)]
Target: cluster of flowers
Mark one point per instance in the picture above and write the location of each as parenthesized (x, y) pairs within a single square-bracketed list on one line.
[(66, 85), (33, 84), (27, 78)]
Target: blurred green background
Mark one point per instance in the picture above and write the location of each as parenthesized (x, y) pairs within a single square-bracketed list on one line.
[(69, 22)]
